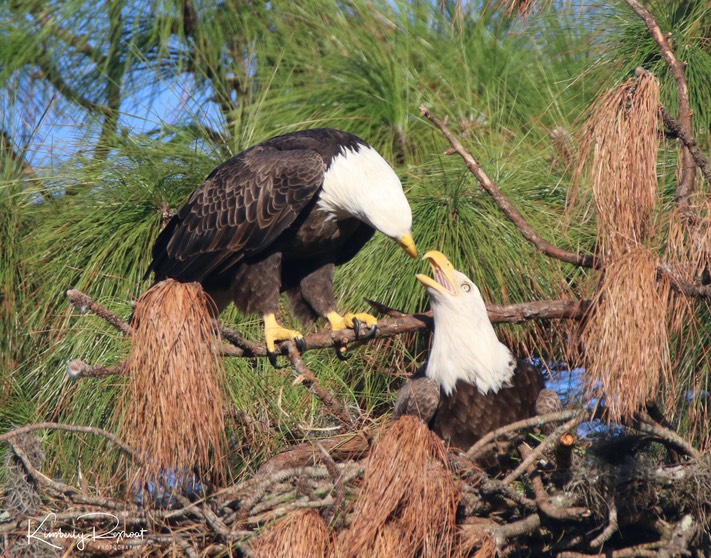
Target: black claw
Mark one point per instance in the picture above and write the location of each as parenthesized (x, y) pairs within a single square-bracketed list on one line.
[(356, 327), (273, 360), (371, 332), (300, 344), (341, 353)]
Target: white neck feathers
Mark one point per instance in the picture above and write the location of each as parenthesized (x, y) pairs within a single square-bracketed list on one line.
[(465, 347)]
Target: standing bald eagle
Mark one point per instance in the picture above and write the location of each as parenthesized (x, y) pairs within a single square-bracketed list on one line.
[(277, 218), (471, 383)]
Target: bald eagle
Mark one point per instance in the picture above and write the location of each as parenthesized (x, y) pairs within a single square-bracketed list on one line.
[(471, 383), (277, 218)]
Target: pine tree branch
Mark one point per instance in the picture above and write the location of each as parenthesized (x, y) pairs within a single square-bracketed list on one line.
[(673, 125), (505, 205), (395, 324), (686, 183)]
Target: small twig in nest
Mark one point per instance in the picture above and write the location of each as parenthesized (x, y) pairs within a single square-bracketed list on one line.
[(540, 420), (543, 446), (69, 428), (647, 425), (611, 527), (338, 486), (543, 502)]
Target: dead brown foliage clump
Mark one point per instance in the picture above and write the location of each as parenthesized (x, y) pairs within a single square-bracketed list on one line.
[(622, 136), (301, 534), (689, 254), (626, 335), (174, 402), (408, 499)]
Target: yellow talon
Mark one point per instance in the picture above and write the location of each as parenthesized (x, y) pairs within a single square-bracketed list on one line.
[(347, 321), (274, 331)]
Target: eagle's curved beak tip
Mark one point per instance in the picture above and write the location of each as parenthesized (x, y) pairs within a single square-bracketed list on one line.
[(407, 243)]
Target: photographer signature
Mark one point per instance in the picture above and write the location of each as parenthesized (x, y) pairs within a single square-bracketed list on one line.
[(44, 533)]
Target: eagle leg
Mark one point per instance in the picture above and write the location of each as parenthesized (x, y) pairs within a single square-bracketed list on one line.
[(274, 331)]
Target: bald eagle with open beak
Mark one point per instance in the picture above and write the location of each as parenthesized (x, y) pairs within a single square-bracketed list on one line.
[(279, 217), (471, 383)]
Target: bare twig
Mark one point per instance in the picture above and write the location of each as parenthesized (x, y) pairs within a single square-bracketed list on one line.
[(611, 527), (307, 378), (83, 302), (685, 287), (338, 486), (69, 428), (543, 502), (540, 448), (77, 368), (505, 205), (686, 183), (522, 424), (516, 529), (649, 426), (672, 124)]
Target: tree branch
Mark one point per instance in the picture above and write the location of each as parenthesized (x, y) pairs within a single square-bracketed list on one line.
[(672, 124), (686, 183), (70, 428), (396, 324), (522, 424), (84, 303), (506, 206)]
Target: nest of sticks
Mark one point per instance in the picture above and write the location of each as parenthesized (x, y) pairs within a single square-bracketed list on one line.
[(392, 491)]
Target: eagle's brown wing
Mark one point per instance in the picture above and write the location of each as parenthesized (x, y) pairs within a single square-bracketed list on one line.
[(418, 397), (466, 415), (238, 212)]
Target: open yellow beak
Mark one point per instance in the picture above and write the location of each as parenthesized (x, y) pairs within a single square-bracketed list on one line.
[(442, 269)]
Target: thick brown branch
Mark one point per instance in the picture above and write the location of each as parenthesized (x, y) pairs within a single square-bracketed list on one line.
[(669, 437), (686, 183), (52, 75), (543, 501), (395, 324), (506, 206), (683, 286), (77, 368)]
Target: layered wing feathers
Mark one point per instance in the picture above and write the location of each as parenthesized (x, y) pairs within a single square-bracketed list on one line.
[(239, 211)]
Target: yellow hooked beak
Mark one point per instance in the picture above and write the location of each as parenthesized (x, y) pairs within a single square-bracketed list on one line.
[(442, 269), (407, 243)]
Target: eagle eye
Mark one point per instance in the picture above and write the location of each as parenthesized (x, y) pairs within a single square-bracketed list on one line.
[(466, 287)]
